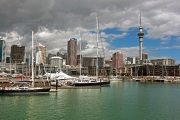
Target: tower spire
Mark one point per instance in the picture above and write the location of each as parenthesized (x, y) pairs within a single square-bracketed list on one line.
[(140, 19), (140, 35)]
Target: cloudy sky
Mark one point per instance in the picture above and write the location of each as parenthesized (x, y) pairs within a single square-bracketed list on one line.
[(56, 21)]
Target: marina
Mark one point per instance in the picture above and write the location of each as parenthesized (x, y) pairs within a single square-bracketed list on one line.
[(89, 60), (121, 100)]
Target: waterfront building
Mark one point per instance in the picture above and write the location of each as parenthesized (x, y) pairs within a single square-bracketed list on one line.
[(17, 54), (155, 70), (91, 63), (132, 60), (163, 62), (140, 35), (49, 57), (72, 52), (40, 54), (2, 51), (57, 62)]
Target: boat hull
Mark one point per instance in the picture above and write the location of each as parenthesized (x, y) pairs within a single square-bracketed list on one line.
[(38, 90), (92, 83)]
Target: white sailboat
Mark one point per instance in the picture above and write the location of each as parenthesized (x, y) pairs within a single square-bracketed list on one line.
[(91, 81)]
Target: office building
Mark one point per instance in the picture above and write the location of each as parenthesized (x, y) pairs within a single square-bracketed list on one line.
[(117, 60), (2, 51), (17, 54), (72, 52)]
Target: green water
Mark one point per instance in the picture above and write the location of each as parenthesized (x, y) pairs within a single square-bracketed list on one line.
[(120, 101)]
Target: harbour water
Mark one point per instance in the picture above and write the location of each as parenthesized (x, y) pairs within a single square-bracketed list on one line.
[(119, 101)]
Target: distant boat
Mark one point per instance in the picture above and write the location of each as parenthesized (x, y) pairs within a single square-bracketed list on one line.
[(91, 82), (27, 86), (115, 78)]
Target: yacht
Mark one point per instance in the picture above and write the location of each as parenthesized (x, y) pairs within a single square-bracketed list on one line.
[(25, 86)]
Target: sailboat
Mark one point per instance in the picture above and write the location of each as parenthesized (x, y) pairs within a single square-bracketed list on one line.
[(28, 86), (91, 81)]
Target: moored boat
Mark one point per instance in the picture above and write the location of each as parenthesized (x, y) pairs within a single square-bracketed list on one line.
[(88, 81), (25, 87)]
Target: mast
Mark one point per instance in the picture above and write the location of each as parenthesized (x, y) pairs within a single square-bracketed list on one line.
[(80, 54), (29, 65), (32, 64), (116, 64), (97, 67)]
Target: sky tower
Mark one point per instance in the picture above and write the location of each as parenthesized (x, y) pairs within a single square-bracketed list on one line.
[(140, 35)]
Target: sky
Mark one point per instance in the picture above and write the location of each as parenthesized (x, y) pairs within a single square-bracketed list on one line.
[(54, 22)]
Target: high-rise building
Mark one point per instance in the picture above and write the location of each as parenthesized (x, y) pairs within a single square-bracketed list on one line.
[(17, 54), (40, 54), (2, 51), (71, 52), (117, 60)]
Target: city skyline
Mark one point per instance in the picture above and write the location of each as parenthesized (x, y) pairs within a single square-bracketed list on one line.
[(55, 22)]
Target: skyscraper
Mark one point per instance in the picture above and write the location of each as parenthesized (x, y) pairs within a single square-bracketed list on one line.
[(2, 51), (71, 52), (17, 54), (117, 60), (40, 54)]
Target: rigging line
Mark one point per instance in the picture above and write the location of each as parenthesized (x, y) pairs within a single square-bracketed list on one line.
[(38, 54), (101, 43)]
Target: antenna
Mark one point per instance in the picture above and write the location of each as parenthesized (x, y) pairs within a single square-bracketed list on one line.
[(140, 19)]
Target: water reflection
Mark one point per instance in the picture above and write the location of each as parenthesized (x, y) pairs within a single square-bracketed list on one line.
[(121, 100)]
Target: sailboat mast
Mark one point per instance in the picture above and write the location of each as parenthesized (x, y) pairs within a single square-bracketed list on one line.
[(80, 53), (116, 64), (32, 65), (97, 67)]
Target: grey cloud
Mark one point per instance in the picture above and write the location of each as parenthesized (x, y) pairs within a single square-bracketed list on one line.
[(61, 18)]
